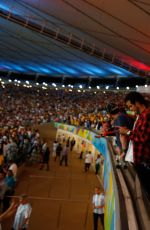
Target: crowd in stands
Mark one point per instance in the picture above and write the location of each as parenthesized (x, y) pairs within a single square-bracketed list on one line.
[(20, 106)]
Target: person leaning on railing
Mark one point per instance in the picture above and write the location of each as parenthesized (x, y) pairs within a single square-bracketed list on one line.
[(139, 146)]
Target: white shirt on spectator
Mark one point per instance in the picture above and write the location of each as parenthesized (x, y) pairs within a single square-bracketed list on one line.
[(88, 158), (23, 212), (98, 200), (14, 169)]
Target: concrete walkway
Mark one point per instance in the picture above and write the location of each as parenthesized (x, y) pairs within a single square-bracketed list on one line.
[(60, 197)]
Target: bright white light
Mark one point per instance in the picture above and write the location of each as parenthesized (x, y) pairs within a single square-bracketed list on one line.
[(24, 85), (127, 87), (53, 84), (9, 80), (80, 86), (117, 87), (145, 85), (56, 88), (98, 87), (89, 87), (107, 87), (137, 86), (71, 86), (43, 87), (63, 86), (79, 90), (0, 79), (27, 82), (19, 81), (37, 83), (104, 92), (95, 92), (70, 90), (15, 80)]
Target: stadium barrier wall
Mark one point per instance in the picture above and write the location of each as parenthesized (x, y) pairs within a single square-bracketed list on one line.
[(111, 209)]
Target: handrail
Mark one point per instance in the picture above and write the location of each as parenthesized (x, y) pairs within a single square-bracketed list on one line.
[(133, 191)]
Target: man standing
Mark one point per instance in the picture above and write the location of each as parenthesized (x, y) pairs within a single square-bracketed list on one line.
[(139, 147), (23, 213), (120, 119), (98, 207), (88, 161), (64, 155)]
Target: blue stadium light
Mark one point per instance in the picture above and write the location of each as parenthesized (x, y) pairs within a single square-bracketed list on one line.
[(4, 7)]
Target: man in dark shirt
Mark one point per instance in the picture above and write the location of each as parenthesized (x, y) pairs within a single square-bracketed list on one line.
[(120, 119)]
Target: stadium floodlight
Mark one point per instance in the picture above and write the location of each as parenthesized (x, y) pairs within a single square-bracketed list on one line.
[(80, 86), (27, 82), (53, 84), (43, 87), (63, 86), (9, 80), (107, 87), (98, 87), (128, 87), (37, 83)]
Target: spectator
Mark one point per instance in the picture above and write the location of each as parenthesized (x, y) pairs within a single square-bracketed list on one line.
[(88, 160), (23, 213), (72, 144), (64, 155), (45, 156), (120, 119), (55, 144), (14, 168), (139, 147), (97, 164), (3, 188), (58, 150), (98, 207), (10, 182)]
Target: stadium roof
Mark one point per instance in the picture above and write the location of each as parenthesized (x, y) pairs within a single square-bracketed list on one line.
[(106, 42)]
